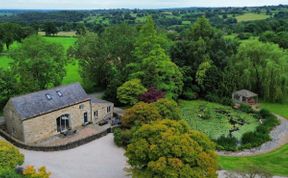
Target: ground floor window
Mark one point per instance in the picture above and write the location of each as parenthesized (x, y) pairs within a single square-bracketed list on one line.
[(96, 114), (108, 109), (63, 123), (85, 118)]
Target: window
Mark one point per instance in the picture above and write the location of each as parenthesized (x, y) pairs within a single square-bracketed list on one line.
[(108, 109), (95, 113), (85, 118), (48, 96), (81, 106), (59, 93), (63, 123)]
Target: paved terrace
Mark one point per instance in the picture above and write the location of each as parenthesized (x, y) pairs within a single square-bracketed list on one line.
[(82, 132)]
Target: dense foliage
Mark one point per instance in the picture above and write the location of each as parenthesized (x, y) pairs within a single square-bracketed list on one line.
[(11, 32), (263, 68), (168, 109), (202, 53), (139, 114), (151, 95), (38, 64), (170, 149), (10, 156), (129, 92), (8, 86)]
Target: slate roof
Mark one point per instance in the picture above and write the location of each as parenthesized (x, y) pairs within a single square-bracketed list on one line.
[(35, 104), (245, 93), (96, 100)]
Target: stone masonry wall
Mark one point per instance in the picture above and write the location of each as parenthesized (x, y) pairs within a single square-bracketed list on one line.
[(102, 111), (45, 126), (13, 122)]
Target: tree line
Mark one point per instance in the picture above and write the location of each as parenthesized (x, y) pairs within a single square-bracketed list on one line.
[(200, 63)]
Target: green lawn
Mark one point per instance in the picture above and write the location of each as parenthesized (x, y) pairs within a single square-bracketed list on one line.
[(72, 72), (218, 124), (251, 16), (66, 42), (278, 108), (275, 162)]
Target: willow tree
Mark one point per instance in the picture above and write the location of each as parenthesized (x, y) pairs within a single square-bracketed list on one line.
[(263, 68)]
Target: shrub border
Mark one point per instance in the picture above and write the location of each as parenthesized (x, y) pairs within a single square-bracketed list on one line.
[(67, 146)]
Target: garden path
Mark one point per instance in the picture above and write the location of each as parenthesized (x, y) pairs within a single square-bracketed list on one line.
[(279, 137)]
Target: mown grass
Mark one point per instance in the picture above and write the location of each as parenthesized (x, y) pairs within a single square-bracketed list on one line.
[(72, 73), (251, 17), (72, 68), (277, 108), (218, 124), (274, 162)]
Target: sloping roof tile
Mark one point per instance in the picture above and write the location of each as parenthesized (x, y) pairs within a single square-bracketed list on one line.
[(35, 104), (245, 93)]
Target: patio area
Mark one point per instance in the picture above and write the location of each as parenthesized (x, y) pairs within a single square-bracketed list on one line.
[(80, 133)]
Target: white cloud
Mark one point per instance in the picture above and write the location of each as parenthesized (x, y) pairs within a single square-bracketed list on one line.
[(101, 4)]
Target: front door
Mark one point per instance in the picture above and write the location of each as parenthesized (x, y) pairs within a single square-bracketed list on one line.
[(85, 117)]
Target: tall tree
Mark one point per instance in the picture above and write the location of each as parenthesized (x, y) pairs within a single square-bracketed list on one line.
[(153, 66), (103, 57), (200, 43), (148, 38), (10, 32), (92, 60), (263, 68), (39, 64), (50, 29), (8, 86), (157, 70)]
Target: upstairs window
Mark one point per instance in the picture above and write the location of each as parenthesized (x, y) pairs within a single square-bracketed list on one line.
[(48, 96), (81, 106), (59, 93)]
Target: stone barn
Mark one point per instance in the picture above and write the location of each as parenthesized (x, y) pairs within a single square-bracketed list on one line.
[(36, 116)]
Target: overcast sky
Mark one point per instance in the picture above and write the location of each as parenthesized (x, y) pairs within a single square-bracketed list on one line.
[(142, 4)]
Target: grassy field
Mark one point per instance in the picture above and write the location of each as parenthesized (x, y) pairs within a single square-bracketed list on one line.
[(72, 72), (275, 162), (218, 124), (251, 16), (278, 108)]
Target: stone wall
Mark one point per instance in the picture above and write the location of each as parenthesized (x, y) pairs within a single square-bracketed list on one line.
[(102, 111), (13, 121), (45, 126)]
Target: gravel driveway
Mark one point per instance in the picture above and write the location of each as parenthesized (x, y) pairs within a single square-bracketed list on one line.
[(97, 159)]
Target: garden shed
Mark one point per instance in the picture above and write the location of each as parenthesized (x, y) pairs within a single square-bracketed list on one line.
[(245, 96)]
